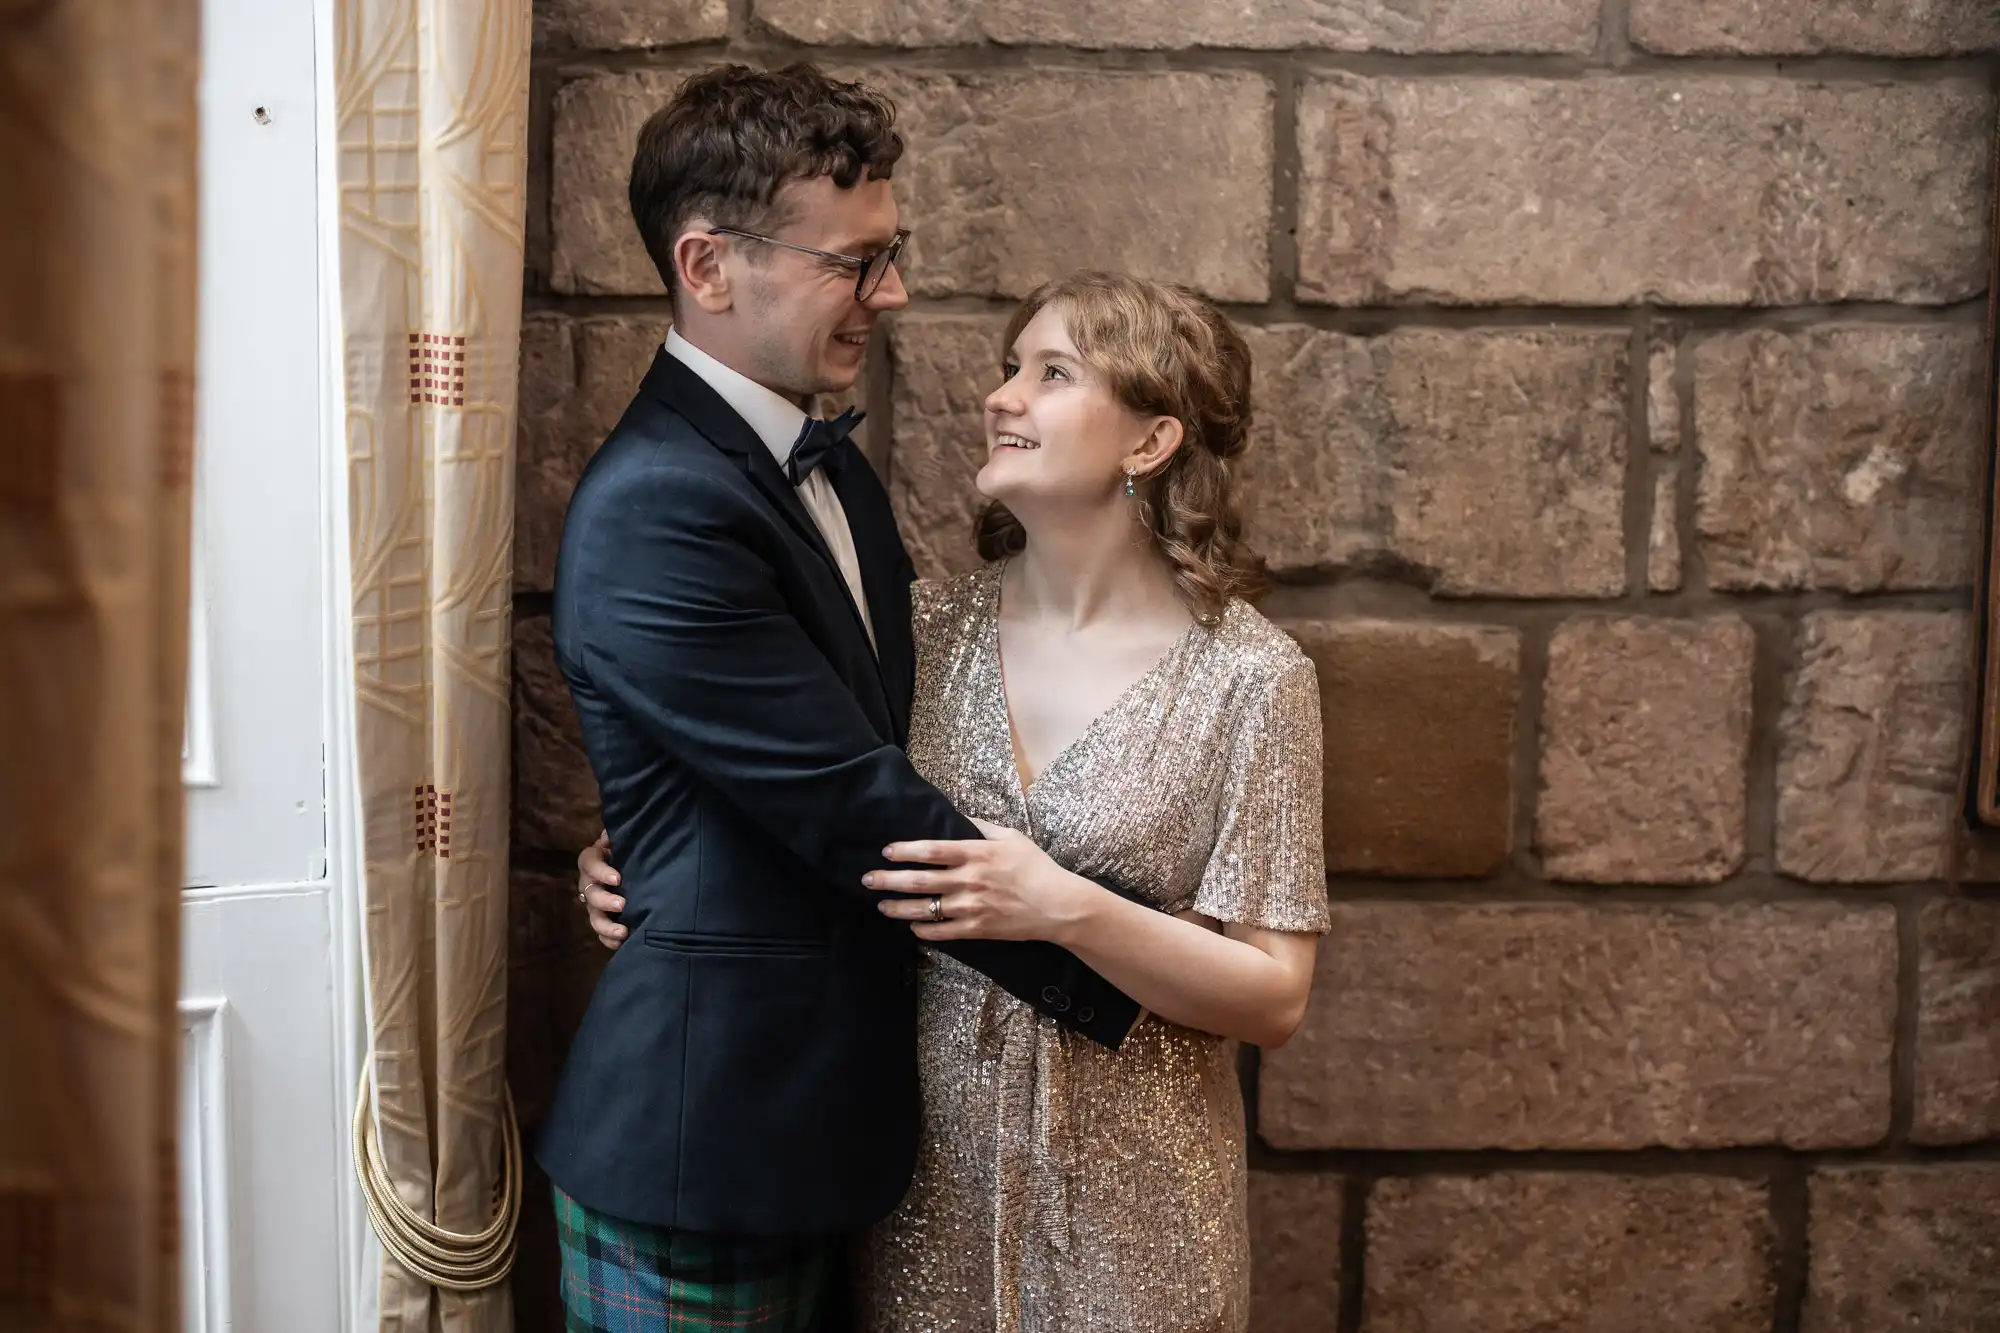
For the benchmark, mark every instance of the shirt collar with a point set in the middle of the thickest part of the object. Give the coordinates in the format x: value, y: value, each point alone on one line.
x: 776, y: 419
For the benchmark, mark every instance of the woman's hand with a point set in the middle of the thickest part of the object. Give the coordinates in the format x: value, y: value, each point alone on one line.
x: 1003, y: 887
x: 594, y: 881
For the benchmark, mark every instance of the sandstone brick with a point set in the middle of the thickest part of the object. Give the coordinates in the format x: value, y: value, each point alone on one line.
x: 1295, y: 1251
x: 1682, y: 190
x: 553, y: 962
x: 536, y: 242
x: 577, y: 378
x: 1813, y: 27
x: 555, y: 796
x: 1568, y: 1252
x: 1663, y: 542
x: 1845, y: 458
x: 1976, y: 854
x: 1315, y: 478
x: 596, y: 247
x: 1568, y: 26
x: 1163, y: 174
x: 608, y: 25
x: 1911, y: 1247
x: 1645, y: 737
x: 1869, y: 746
x: 544, y: 919
x: 1439, y: 1025
x: 543, y: 474
x: 1508, y: 474
x: 1958, y: 1022
x: 1491, y: 460
x: 1419, y: 718
x: 944, y: 366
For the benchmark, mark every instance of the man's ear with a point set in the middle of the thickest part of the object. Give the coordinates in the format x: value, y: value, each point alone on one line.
x: 703, y: 279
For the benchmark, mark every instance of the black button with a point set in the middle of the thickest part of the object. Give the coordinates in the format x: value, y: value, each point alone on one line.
x: 1086, y: 1014
x: 910, y: 975
x: 1055, y: 999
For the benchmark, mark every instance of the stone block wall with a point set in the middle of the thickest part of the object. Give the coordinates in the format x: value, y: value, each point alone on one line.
x: 1618, y: 370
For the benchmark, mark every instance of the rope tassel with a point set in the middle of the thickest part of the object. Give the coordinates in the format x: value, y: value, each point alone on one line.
x: 449, y: 1260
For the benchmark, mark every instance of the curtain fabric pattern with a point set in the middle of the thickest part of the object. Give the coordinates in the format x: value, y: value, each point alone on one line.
x: 431, y: 105
x: 98, y: 141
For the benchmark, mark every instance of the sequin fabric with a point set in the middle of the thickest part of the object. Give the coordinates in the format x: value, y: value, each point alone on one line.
x: 1063, y: 1187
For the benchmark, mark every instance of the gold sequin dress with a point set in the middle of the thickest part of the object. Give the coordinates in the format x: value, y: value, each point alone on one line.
x: 1063, y: 1187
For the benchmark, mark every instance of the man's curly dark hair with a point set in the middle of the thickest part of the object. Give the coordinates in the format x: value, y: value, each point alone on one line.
x: 733, y: 135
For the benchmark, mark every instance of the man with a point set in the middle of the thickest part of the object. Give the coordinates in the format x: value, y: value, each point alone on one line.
x: 732, y: 616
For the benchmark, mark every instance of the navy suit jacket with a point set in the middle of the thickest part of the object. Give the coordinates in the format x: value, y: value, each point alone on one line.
x: 748, y: 1061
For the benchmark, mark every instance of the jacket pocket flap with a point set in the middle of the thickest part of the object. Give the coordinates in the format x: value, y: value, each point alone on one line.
x: 775, y: 946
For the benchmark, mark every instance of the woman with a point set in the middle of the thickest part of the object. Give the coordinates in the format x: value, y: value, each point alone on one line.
x: 1103, y: 699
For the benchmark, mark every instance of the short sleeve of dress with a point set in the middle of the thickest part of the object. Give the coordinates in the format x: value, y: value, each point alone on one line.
x: 925, y: 594
x: 930, y: 612
x: 1268, y: 868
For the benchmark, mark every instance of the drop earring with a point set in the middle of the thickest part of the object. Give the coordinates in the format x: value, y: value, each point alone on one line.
x: 1128, y: 482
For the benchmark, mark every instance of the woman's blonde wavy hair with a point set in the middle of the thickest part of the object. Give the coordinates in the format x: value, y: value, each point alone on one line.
x: 1165, y: 351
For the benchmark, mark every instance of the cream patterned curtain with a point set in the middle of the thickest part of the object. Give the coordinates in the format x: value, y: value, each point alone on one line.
x: 97, y: 340
x: 432, y: 108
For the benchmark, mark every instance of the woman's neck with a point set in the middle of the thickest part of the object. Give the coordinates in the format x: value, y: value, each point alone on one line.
x: 1081, y: 572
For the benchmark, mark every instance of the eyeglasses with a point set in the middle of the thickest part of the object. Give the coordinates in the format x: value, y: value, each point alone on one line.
x: 873, y: 267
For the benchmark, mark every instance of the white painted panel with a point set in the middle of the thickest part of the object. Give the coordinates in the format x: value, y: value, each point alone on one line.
x: 198, y: 740
x: 258, y: 509
x: 206, y: 1211
x: 267, y: 952
x: 270, y: 1225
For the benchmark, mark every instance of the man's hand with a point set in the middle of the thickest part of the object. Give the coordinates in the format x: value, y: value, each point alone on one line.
x: 595, y: 880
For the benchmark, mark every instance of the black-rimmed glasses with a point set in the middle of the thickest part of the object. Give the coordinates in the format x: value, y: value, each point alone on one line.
x: 873, y: 267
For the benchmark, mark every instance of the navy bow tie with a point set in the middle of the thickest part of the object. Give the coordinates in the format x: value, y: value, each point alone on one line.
x: 818, y: 442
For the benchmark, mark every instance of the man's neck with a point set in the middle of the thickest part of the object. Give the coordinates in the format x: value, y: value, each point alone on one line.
x: 704, y: 336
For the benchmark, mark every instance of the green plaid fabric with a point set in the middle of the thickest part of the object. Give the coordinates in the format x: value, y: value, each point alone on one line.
x: 628, y: 1277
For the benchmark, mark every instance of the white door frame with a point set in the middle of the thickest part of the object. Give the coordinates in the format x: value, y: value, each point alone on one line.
x: 285, y: 890
x: 360, y: 1251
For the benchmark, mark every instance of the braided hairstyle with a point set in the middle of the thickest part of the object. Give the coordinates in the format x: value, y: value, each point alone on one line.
x: 1165, y: 350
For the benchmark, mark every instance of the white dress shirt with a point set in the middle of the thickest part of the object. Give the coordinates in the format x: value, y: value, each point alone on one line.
x: 778, y: 421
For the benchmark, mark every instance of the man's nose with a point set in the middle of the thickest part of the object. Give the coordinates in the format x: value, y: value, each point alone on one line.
x: 891, y: 295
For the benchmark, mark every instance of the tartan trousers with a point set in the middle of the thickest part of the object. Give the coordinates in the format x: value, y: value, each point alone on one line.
x: 629, y: 1277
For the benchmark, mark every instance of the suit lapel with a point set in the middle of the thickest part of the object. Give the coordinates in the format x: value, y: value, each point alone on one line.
x: 880, y: 551
x: 689, y: 394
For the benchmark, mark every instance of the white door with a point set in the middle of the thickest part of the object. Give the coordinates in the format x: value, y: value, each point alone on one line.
x: 263, y: 1171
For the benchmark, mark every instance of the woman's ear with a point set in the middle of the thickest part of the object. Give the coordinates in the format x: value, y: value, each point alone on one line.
x: 1162, y: 442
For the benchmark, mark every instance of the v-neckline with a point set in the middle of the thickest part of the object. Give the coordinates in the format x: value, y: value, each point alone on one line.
x: 1024, y: 786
